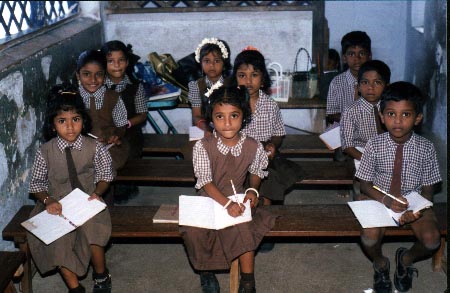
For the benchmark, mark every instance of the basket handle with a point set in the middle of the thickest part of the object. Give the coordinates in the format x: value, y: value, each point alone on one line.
x: 307, y: 55
x: 277, y: 72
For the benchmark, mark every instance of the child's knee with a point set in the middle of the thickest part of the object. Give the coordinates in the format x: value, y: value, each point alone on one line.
x: 370, y: 238
x: 431, y: 240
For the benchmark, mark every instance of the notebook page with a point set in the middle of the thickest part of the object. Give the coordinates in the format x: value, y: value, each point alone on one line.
x: 196, y: 211
x: 223, y: 219
x: 371, y: 213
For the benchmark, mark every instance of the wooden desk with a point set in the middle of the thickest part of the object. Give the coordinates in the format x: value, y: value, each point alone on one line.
x: 293, y: 103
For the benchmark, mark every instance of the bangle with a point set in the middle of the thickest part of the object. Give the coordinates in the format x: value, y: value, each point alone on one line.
x: 129, y: 124
x: 254, y: 190
x: 45, y: 199
x: 198, y: 122
x: 227, y: 204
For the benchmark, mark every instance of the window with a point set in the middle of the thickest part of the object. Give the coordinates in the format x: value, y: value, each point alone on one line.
x: 22, y: 17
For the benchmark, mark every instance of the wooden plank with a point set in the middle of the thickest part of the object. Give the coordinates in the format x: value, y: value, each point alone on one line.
x: 9, y: 263
x: 181, y: 171
x: 293, y: 145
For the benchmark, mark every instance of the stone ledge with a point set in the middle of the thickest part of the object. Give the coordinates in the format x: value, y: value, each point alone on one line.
x: 49, y: 37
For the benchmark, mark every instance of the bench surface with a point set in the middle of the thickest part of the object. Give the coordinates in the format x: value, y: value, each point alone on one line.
x: 293, y: 145
x: 336, y: 220
x: 9, y: 263
x: 181, y: 171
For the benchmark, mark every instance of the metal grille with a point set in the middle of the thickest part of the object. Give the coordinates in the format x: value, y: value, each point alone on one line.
x: 22, y: 17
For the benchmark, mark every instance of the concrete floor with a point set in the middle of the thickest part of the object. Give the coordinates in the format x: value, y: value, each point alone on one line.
x: 290, y: 267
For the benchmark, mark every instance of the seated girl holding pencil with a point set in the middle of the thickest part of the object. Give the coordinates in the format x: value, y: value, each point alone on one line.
x: 228, y: 155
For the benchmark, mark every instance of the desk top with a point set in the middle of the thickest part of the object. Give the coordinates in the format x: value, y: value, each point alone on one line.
x: 292, y: 103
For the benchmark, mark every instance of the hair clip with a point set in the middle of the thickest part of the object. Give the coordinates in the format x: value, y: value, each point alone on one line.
x: 213, y: 88
x: 250, y: 48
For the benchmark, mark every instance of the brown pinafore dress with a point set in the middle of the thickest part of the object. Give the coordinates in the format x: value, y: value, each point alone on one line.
x: 71, y: 251
x: 215, y: 249
x: 103, y: 126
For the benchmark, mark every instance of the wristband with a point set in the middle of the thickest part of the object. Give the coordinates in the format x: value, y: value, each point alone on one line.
x: 45, y: 199
x: 252, y: 189
x: 129, y: 124
x: 227, y: 204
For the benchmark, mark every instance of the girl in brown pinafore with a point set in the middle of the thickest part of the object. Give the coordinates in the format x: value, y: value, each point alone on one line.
x: 66, y: 124
x: 228, y: 154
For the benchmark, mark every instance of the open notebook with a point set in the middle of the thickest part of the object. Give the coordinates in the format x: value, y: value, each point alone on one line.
x: 205, y: 212
x: 371, y: 213
x: 76, y: 210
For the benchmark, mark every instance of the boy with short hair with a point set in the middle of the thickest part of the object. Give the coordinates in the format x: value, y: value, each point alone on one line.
x: 361, y: 121
x: 356, y: 50
x: 400, y: 161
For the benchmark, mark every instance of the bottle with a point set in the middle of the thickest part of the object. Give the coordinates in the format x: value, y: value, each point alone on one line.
x: 312, y: 82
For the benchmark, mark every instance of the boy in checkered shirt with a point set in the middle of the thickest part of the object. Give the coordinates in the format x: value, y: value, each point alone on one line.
x: 360, y: 121
x: 401, y: 107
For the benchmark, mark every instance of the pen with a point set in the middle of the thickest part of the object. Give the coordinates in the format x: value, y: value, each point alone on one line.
x: 390, y: 195
x: 93, y: 136
x: 235, y: 195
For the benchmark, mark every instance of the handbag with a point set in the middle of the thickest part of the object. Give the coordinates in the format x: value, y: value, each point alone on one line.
x: 280, y: 82
x: 304, y: 83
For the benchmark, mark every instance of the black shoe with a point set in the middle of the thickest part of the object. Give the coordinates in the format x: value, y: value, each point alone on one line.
x: 103, y: 284
x: 246, y: 287
x: 381, y: 281
x: 79, y: 289
x: 209, y: 283
x: 266, y: 247
x: 403, y: 274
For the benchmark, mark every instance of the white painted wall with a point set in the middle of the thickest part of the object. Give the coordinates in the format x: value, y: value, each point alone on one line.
x: 277, y: 34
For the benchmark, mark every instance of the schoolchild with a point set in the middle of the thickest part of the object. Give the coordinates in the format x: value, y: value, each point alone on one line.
x: 214, y: 57
x: 120, y: 61
x: 343, y: 90
x: 400, y: 161
x: 331, y: 69
x: 228, y: 154
x: 361, y: 120
x: 266, y: 124
x: 106, y: 108
x: 66, y: 124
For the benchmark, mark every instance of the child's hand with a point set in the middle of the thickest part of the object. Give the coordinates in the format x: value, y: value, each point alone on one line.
x: 395, y: 205
x: 409, y: 217
x: 94, y: 196
x: 235, y: 209
x: 253, y: 199
x: 115, y: 140
x: 53, y: 207
x: 271, y: 150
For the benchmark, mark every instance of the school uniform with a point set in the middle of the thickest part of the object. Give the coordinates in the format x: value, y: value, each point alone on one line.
x: 133, y: 96
x: 358, y: 125
x: 108, y: 115
x: 215, y: 162
x: 50, y: 173
x: 266, y: 121
x: 419, y: 168
x: 341, y: 92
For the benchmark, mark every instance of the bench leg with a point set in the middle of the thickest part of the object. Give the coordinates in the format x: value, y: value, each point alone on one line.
x: 438, y: 255
x: 26, y: 281
x: 234, y: 276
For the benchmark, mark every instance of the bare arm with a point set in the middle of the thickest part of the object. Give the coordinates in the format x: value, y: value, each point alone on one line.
x: 234, y: 209
x: 353, y: 152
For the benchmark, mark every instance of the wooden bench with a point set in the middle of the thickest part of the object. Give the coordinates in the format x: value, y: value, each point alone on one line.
x: 316, y: 173
x: 10, y: 262
x: 294, y: 222
x: 292, y: 146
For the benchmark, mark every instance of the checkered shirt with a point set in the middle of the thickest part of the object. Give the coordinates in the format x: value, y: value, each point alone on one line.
x: 140, y: 101
x: 194, y: 92
x: 341, y: 92
x: 119, y: 112
x: 202, y: 169
x: 266, y: 121
x: 358, y: 124
x: 420, y: 166
x: 102, y: 165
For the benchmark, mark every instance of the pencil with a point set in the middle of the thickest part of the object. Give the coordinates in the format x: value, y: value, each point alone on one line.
x: 235, y: 195
x: 91, y: 135
x: 390, y: 195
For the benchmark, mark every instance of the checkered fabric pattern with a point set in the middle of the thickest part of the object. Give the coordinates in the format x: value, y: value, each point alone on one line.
x: 341, y: 92
x: 194, y: 92
x: 140, y: 101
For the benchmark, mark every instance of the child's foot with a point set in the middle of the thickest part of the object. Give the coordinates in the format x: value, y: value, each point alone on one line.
x: 381, y: 281
x: 246, y: 287
x: 403, y: 274
x: 266, y: 247
x: 209, y: 283
x: 102, y: 282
